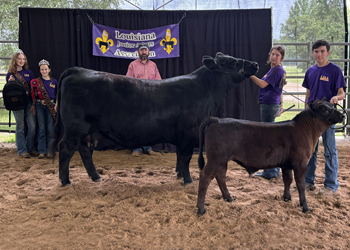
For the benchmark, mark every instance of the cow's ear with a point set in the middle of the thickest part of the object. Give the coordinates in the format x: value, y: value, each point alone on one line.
x: 209, y: 62
x: 219, y: 54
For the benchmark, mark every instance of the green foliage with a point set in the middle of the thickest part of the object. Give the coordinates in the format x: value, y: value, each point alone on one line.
x: 7, y: 137
x: 9, y: 18
x: 310, y: 20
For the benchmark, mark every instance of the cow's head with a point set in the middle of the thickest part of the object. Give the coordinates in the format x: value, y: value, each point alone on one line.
x: 236, y: 67
x: 326, y: 111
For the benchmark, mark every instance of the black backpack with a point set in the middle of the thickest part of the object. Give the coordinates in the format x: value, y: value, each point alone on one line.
x: 15, y: 96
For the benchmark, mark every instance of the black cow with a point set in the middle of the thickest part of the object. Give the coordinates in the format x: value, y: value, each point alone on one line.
x: 255, y: 146
x: 98, y: 108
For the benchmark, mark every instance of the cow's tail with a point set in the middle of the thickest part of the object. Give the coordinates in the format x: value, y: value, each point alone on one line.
x: 206, y: 121
x: 56, y: 130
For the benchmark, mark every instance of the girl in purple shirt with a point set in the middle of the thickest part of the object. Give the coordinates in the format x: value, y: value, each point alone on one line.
x: 25, y: 144
x: 43, y: 114
x: 270, y: 95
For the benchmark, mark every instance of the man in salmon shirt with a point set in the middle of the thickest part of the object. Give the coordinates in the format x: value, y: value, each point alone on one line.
x: 143, y: 68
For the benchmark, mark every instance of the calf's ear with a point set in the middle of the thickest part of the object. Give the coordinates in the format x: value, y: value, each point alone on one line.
x: 311, y: 105
x: 209, y: 62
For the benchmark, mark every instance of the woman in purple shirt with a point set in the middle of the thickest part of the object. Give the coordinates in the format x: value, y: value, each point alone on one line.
x: 43, y: 114
x: 25, y: 144
x: 270, y: 96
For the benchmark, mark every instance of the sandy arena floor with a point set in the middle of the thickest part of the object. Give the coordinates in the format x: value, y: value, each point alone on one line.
x: 141, y: 205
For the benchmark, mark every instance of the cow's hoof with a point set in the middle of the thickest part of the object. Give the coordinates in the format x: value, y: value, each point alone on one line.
x: 186, y: 182
x: 287, y: 199
x: 98, y: 180
x: 229, y: 199
x: 179, y: 175
x: 64, y: 184
x: 201, y: 211
x: 306, y: 210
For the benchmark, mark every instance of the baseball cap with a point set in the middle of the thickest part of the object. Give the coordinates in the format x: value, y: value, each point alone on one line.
x: 143, y: 46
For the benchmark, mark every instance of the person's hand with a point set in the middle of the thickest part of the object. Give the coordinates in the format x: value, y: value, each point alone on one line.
x: 281, y: 110
x: 32, y: 109
x: 334, y: 100
x: 11, y: 78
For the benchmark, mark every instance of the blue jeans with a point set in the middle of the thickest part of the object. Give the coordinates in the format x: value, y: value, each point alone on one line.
x: 145, y: 149
x: 45, y: 122
x: 23, y: 143
x: 331, y: 165
x: 268, y: 113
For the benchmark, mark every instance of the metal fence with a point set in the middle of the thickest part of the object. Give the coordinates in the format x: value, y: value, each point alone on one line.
x: 308, y: 60
x: 2, y: 76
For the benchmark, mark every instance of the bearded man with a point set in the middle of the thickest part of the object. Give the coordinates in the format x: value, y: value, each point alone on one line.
x: 143, y: 68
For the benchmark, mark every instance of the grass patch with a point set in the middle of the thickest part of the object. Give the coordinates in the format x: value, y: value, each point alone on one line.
x: 8, y: 137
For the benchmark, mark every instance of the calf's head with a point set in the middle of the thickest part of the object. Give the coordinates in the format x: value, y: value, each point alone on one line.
x: 326, y: 111
x: 237, y: 68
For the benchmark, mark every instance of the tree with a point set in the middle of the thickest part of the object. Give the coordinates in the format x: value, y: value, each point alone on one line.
x: 9, y: 18
x: 310, y: 20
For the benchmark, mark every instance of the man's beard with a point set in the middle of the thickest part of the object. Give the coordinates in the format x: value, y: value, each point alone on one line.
x: 143, y: 57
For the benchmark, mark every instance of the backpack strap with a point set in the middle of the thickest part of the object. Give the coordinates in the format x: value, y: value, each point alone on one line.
x: 9, y: 118
x: 23, y: 81
x: 48, y: 103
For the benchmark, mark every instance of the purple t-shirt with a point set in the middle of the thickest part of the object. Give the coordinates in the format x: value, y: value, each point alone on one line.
x: 271, y: 94
x: 51, y: 88
x: 323, y: 81
x: 27, y: 74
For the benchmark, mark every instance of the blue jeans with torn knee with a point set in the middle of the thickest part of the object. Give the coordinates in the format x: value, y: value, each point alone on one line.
x: 331, y: 165
x: 268, y: 113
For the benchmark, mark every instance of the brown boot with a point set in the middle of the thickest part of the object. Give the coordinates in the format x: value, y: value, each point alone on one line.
x: 41, y: 156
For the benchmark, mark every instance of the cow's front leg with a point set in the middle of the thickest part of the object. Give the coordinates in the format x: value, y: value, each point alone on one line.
x: 287, y: 180
x: 66, y: 151
x: 221, y: 179
x: 299, y: 176
x: 86, y: 156
x: 182, y: 164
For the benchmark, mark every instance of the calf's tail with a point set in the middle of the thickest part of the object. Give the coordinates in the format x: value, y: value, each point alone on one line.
x: 206, y: 121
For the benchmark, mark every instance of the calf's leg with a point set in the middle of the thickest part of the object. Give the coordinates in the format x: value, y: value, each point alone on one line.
x: 287, y: 180
x: 86, y: 156
x: 299, y: 176
x: 206, y: 175
x: 221, y: 179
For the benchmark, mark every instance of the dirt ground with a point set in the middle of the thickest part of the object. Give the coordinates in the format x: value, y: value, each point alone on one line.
x: 141, y: 205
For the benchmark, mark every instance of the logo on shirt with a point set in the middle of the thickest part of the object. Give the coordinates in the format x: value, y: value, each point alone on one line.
x: 104, y: 43
x: 26, y: 75
x: 168, y: 42
x: 324, y: 78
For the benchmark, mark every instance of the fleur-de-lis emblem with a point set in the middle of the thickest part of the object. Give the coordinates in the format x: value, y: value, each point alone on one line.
x: 103, y: 43
x: 168, y: 43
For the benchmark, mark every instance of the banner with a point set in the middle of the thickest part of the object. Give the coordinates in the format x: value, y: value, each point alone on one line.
x: 163, y: 42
